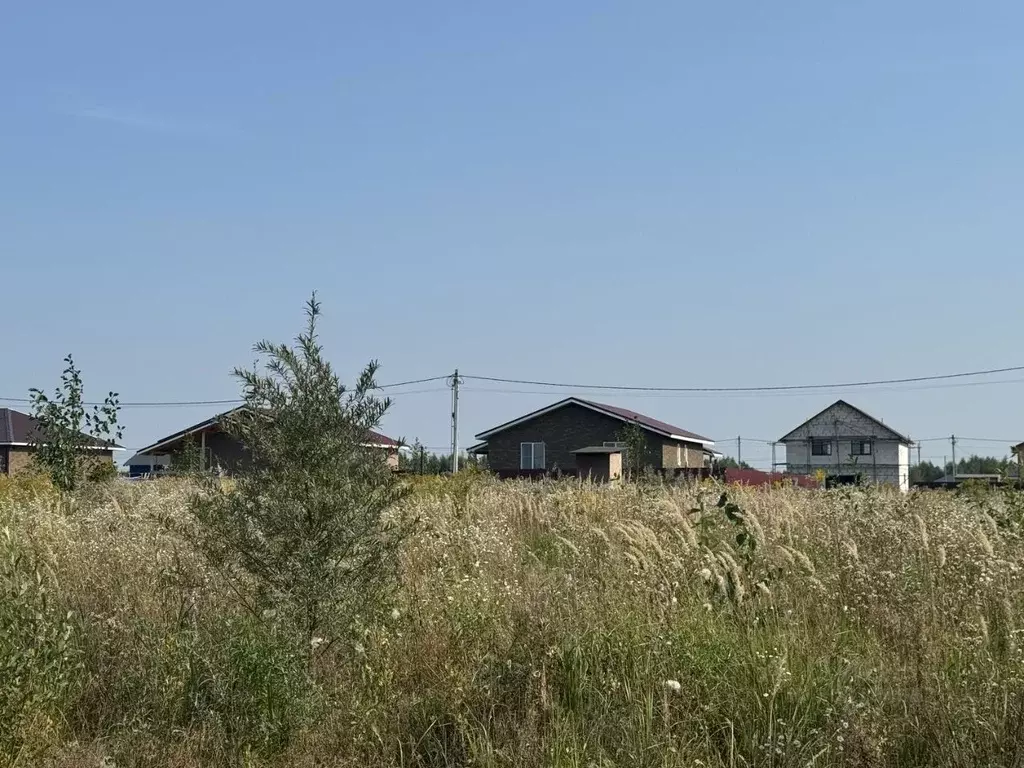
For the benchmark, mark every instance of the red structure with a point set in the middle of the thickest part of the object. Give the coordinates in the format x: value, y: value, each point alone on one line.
x: 757, y: 478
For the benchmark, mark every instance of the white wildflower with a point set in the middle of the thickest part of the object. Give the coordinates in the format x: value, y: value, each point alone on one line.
x: 672, y: 685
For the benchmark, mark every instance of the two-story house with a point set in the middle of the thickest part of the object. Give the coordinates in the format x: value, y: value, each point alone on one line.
x: 848, y: 444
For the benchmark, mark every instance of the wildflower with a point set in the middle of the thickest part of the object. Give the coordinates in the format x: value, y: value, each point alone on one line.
x: 672, y: 685
x: 395, y: 613
x: 316, y: 642
x: 705, y: 573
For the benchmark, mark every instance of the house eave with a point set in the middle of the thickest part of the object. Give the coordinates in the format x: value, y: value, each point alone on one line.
x: 84, y: 447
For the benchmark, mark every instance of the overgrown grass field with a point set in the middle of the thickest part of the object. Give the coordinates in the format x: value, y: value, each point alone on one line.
x: 556, y: 624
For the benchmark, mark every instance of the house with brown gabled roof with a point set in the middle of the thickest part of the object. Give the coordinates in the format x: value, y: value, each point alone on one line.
x: 566, y: 435
x: 20, y: 434
x: 222, y: 452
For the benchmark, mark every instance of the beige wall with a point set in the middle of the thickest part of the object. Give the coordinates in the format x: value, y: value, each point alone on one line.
x: 675, y: 455
x: 19, y: 458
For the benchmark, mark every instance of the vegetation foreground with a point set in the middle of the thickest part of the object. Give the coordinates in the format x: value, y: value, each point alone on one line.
x: 556, y: 624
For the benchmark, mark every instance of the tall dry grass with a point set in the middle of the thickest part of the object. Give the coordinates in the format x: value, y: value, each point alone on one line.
x: 537, y: 625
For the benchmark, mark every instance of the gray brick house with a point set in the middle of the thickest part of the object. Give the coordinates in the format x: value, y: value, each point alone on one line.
x: 550, y: 438
x: 846, y: 443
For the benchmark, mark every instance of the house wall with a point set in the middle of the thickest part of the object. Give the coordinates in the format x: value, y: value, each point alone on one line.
x: 19, y: 458
x: 675, y: 454
x: 227, y: 454
x: 562, y: 431
x: 889, y: 463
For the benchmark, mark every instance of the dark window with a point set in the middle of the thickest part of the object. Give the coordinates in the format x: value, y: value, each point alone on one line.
x: 821, y: 447
x: 531, y: 456
x: 860, y: 448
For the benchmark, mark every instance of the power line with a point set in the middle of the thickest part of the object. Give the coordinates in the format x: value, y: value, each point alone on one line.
x: 165, y: 404
x: 777, y: 388
x: 758, y: 394
x: 234, y: 401
x: 412, y: 381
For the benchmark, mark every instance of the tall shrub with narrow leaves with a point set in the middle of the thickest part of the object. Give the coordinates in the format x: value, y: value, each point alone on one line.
x: 306, y: 528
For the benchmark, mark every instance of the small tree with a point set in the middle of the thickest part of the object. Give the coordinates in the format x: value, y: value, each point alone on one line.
x: 306, y: 529
x: 635, y: 440
x: 66, y: 430
x: 189, y: 461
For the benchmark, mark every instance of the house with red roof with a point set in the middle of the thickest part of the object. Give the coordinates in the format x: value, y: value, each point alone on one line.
x: 569, y: 435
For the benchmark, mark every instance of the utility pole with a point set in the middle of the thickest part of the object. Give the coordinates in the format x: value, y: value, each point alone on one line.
x: 739, y: 450
x: 453, y: 382
x: 918, y: 451
x: 952, y: 443
x: 773, y: 456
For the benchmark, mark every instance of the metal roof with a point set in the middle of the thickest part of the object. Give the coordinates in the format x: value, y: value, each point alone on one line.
x: 622, y: 414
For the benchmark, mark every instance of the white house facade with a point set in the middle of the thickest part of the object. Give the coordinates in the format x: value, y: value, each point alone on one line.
x: 847, y: 443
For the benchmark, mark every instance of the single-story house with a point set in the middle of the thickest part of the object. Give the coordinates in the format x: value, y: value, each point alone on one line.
x: 576, y: 435
x: 151, y: 464
x: 19, y: 434
x: 222, y: 452
x: 848, y: 445
x: 1018, y: 451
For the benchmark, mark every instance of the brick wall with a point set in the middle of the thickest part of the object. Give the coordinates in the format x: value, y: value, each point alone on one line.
x: 675, y: 455
x: 567, y: 429
x: 19, y: 458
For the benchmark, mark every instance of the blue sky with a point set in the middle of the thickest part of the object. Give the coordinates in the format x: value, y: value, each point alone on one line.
x: 659, y: 193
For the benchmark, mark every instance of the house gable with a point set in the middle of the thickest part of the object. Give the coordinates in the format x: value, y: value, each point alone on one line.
x: 623, y: 415
x: 843, y: 421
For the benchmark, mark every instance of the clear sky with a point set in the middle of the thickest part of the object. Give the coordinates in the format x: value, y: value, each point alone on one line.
x: 659, y: 193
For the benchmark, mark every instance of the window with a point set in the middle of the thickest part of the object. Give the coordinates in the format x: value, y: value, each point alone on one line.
x: 613, y: 444
x: 531, y: 455
x: 821, y: 447
x: 860, y: 448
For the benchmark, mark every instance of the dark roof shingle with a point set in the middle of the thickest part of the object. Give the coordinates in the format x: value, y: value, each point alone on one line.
x: 17, y: 427
x: 622, y: 414
x: 646, y: 421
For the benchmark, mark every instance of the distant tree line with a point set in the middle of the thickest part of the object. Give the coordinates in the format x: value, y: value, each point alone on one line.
x: 926, y: 471
x: 419, y: 461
